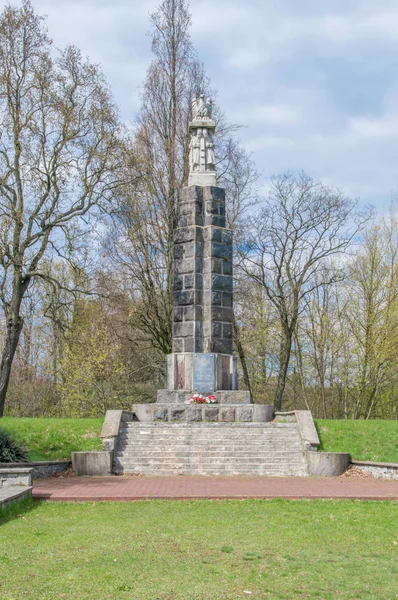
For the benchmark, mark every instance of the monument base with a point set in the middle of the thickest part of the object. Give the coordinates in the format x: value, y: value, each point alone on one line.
x: 223, y: 397
x: 203, y: 372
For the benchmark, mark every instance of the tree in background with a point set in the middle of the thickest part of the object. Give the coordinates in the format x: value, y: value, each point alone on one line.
x: 57, y: 158
x: 286, y: 247
x: 140, y: 242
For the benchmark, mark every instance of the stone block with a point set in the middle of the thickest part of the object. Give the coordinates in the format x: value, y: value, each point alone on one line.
x: 263, y: 413
x: 226, y: 236
x: 189, y: 344
x: 178, y: 252
x: 227, y: 299
x: 224, y: 314
x: 216, y: 220
x: 234, y: 397
x: 227, y: 268
x: 143, y: 412
x: 111, y: 424
x: 227, y: 414
x: 192, y: 313
x: 222, y: 283
x: 221, y: 346
x: 184, y: 265
x: 178, y: 313
x: 216, y: 265
x: 92, y: 463
x: 184, y: 234
x: 227, y: 330
x: 173, y: 396
x: 216, y: 330
x: 186, y: 297
x: 178, y: 345
x: 189, y: 281
x: 194, y: 414
x: 184, y: 329
x: 108, y: 444
x: 177, y: 414
x: 160, y: 414
x: 216, y: 298
x: 223, y: 251
x: 211, y: 414
x: 244, y: 414
x: 178, y: 282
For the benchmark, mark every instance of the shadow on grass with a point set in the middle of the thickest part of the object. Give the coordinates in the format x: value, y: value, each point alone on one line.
x: 17, y: 510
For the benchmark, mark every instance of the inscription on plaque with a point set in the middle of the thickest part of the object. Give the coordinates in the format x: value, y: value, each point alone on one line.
x: 203, y: 372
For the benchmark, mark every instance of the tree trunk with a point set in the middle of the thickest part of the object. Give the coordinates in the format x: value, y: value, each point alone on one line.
x: 14, y: 328
x: 284, y: 359
x: 242, y: 356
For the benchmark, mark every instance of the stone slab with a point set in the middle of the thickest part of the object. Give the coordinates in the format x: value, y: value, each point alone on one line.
x: 10, y: 477
x: 41, y: 468
x: 11, y: 494
x: 92, y: 463
x: 307, y: 428
x: 223, y: 396
x: 379, y: 470
x: 111, y: 424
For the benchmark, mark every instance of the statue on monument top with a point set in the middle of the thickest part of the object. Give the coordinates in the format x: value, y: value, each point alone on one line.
x: 201, y: 109
x: 202, y: 168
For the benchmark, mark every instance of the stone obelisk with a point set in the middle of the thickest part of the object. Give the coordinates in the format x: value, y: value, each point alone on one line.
x: 202, y: 359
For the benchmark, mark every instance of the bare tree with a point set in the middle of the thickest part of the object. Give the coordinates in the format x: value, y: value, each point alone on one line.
x: 57, y: 158
x: 141, y: 240
x: 302, y: 224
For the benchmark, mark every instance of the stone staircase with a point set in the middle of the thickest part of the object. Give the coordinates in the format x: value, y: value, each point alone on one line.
x: 263, y: 449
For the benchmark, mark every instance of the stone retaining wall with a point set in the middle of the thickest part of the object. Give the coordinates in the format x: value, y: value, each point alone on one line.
x: 379, y: 470
x: 47, y: 468
x: 191, y: 413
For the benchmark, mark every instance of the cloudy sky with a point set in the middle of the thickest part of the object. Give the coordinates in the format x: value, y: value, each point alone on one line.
x: 313, y: 82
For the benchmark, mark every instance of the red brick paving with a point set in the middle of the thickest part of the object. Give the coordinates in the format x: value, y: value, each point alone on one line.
x: 129, y: 488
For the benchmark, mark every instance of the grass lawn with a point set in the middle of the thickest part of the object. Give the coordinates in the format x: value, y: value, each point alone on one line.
x: 364, y: 440
x: 202, y: 550
x: 54, y: 439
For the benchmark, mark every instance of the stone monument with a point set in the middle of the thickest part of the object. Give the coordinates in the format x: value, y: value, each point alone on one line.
x: 202, y: 359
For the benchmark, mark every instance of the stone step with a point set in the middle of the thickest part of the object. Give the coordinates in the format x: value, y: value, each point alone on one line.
x: 207, y: 425
x: 189, y: 470
x: 225, y: 441
x: 210, y: 435
x: 183, y: 450
x: 209, y: 456
x: 257, y: 449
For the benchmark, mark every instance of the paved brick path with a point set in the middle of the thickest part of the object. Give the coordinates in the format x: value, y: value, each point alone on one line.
x: 180, y: 487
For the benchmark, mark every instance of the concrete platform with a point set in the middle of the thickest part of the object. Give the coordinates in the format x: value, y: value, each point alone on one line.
x: 11, y: 494
x: 130, y: 488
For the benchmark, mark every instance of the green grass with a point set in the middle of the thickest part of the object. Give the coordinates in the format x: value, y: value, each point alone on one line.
x: 54, y: 439
x: 202, y: 550
x: 364, y: 440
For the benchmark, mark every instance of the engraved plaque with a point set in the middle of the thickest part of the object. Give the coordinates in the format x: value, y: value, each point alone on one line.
x: 204, y: 372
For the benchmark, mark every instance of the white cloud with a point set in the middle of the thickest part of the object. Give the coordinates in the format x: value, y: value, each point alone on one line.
x: 313, y: 81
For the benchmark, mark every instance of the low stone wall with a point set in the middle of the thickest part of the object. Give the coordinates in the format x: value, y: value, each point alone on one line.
x: 92, y: 463
x: 327, y: 464
x: 223, y: 396
x: 191, y: 413
x: 379, y: 470
x: 18, y: 476
x: 47, y: 468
